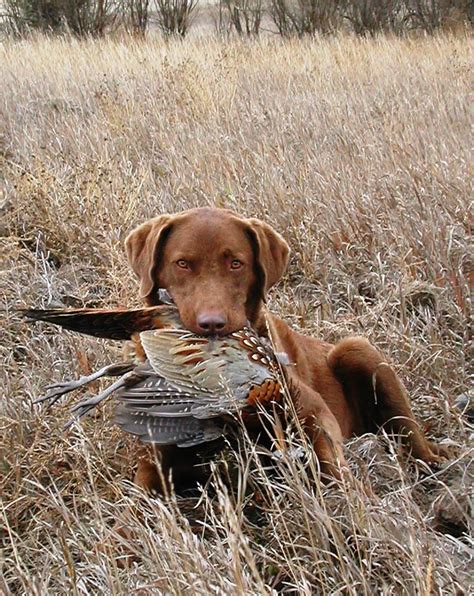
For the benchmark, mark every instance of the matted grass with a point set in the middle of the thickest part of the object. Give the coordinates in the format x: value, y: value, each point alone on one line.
x: 358, y: 152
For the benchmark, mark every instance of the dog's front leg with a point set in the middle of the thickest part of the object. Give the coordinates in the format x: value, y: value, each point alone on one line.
x: 321, y: 427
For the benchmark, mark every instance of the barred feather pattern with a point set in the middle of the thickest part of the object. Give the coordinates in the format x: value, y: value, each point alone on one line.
x: 190, y: 385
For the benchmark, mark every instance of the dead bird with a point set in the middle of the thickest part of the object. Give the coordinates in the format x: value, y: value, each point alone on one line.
x: 180, y: 388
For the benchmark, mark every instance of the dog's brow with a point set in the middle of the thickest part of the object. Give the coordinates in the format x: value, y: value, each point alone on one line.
x: 236, y: 253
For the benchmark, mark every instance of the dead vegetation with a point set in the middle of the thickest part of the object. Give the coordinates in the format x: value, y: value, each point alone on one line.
x: 358, y: 152
x: 96, y: 18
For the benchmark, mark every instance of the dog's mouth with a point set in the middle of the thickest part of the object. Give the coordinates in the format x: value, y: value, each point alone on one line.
x: 164, y: 297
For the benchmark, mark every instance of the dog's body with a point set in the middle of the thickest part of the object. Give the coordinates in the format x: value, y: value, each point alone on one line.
x: 218, y: 267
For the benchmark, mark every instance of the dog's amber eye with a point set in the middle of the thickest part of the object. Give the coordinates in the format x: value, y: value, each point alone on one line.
x: 236, y: 264
x: 182, y: 264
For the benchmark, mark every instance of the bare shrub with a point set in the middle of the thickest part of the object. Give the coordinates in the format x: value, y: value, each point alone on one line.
x: 22, y: 16
x: 242, y: 16
x: 90, y: 17
x: 431, y: 15
x: 81, y: 17
x: 174, y: 17
x: 369, y: 17
x: 303, y: 17
x: 136, y: 16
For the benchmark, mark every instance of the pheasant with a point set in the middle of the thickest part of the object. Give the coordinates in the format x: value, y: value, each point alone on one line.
x: 180, y: 389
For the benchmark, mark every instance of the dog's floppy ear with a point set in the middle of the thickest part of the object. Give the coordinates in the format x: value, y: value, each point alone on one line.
x: 143, y: 246
x: 271, y: 253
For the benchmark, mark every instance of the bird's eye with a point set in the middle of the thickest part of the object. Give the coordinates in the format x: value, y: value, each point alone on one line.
x: 182, y: 264
x: 236, y: 264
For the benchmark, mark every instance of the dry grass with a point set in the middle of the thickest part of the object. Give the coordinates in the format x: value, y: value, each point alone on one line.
x: 358, y: 152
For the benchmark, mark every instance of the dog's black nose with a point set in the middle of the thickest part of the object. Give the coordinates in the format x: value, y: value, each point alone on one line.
x: 211, y: 323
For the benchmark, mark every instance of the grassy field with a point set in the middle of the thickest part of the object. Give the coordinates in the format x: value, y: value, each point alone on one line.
x: 358, y: 152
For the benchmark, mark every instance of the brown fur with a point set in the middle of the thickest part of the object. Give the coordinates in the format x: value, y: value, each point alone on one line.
x: 194, y: 256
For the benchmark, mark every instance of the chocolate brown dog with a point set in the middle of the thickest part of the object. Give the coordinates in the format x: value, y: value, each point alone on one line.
x: 218, y: 267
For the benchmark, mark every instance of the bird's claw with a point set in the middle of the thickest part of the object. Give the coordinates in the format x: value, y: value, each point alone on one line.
x: 88, y: 403
x: 56, y: 390
x: 66, y: 386
x: 58, y: 385
x: 54, y: 397
x: 83, y: 407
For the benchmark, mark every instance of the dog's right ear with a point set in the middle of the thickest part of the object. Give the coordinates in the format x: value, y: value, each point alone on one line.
x: 144, y: 247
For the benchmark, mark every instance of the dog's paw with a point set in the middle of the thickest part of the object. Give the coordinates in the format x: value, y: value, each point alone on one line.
x: 441, y: 453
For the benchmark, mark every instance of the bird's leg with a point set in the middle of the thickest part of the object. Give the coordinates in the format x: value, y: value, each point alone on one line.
x: 57, y: 390
x: 84, y: 406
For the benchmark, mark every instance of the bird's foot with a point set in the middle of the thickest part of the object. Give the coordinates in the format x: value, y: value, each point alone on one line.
x: 86, y: 405
x: 57, y: 390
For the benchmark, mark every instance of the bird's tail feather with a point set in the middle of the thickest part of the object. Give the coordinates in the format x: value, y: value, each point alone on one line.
x: 118, y: 323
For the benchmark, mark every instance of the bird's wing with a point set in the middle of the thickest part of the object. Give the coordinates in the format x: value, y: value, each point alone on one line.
x: 183, y: 432
x: 151, y: 393
x: 184, y: 360
x: 159, y: 412
x: 228, y: 370
x: 147, y: 391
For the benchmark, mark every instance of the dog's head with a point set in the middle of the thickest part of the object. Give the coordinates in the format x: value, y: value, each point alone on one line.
x: 216, y: 265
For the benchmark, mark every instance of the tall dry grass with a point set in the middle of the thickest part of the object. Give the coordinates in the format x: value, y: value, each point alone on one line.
x: 358, y: 152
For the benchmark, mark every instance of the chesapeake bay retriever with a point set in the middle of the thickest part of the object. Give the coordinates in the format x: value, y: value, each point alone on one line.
x: 218, y: 267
